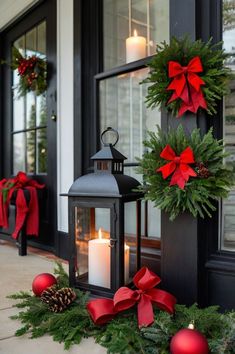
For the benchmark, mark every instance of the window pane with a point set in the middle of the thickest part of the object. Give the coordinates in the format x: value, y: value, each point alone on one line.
x: 41, y: 151
x: 18, y: 152
x: 18, y: 102
x: 31, y: 42
x: 228, y: 206
x: 30, y: 151
x: 41, y: 110
x: 122, y: 107
x: 30, y: 110
x: 132, y: 29
x: 42, y: 40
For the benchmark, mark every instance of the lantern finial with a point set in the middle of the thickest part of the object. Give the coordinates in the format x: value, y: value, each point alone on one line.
x: 113, y: 132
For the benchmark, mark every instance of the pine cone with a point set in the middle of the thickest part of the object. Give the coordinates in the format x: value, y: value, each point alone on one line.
x: 202, y: 170
x: 61, y: 299
x: 48, y: 293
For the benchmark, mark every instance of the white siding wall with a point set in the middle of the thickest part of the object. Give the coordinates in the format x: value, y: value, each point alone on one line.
x: 9, y: 11
x: 65, y: 106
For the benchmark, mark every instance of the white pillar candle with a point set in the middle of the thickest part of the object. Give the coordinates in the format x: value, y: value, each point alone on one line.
x: 127, y: 263
x: 135, y: 47
x: 99, y: 261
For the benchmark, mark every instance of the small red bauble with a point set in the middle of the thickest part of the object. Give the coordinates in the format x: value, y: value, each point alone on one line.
x: 189, y: 341
x: 41, y: 282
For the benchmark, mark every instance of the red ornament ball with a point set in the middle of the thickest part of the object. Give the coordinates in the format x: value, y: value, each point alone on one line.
x: 41, y: 282
x: 189, y: 341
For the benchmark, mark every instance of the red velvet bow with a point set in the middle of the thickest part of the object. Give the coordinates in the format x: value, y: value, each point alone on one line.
x: 178, y: 165
x: 103, y: 310
x: 186, y: 85
x: 24, y: 212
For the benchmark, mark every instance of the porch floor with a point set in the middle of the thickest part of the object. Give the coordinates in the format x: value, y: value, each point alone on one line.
x: 17, y: 273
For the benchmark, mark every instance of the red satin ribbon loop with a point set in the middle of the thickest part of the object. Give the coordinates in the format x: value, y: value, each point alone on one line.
x: 24, y: 213
x: 186, y: 85
x: 178, y: 166
x: 102, y: 310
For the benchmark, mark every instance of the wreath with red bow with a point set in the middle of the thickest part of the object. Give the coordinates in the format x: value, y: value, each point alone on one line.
x: 185, y: 173
x: 187, y: 76
x: 32, y: 73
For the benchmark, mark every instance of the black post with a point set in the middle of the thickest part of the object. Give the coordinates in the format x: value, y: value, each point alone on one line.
x: 22, y: 242
x: 181, y: 257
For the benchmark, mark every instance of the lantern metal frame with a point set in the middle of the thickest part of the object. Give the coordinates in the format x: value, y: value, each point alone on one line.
x: 106, y: 188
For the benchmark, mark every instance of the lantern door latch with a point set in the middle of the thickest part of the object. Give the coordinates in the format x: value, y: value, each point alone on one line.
x: 112, y: 242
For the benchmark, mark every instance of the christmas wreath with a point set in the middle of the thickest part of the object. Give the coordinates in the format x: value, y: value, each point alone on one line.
x: 185, y: 173
x: 186, y: 76
x: 32, y: 72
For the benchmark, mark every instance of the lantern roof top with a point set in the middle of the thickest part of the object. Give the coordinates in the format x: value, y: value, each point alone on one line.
x: 108, y: 152
x: 104, y: 185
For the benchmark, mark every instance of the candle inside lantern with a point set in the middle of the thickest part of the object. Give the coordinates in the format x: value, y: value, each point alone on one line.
x: 99, y: 261
x: 127, y: 263
x: 135, y: 47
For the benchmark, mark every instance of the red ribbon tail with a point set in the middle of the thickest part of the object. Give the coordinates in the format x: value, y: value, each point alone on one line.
x: 3, y: 212
x: 21, y: 212
x: 145, y: 311
x: 101, y: 310
x: 32, y: 223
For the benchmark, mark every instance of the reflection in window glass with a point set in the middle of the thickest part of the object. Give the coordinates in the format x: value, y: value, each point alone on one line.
x: 228, y: 206
x: 132, y: 29
x: 41, y: 151
x: 122, y: 107
x: 30, y: 151
x: 18, y: 152
x: 29, y: 111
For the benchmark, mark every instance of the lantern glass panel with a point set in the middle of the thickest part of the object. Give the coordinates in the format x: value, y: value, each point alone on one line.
x: 130, y: 242
x: 92, y: 237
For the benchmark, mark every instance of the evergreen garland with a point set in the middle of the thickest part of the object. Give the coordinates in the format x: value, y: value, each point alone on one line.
x: 32, y: 72
x: 121, y: 335
x: 215, y: 74
x: 214, y: 179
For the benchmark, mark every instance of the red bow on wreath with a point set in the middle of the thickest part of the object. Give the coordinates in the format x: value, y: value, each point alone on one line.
x: 187, y: 85
x: 103, y: 310
x: 178, y: 165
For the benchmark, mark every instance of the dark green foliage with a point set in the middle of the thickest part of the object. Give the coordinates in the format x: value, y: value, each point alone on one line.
x: 199, y: 193
x: 121, y: 335
x: 215, y: 74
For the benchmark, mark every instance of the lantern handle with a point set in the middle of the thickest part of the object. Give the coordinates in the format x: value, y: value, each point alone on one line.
x: 109, y: 129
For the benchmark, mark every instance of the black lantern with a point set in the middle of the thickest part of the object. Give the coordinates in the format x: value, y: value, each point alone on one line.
x: 104, y: 224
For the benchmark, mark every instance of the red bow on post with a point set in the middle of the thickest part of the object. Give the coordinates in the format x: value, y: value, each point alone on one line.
x: 178, y: 165
x: 103, y: 310
x: 187, y: 85
x: 25, y: 212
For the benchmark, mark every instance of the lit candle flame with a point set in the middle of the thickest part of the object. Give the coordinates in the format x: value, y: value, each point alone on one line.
x: 135, y: 33
x: 100, y: 233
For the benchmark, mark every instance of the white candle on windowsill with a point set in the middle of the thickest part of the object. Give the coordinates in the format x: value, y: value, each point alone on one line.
x: 99, y: 261
x: 135, y: 47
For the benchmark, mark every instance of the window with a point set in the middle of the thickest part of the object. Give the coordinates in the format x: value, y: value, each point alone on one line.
x: 131, y: 30
x: 228, y: 205
x: 29, y: 112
